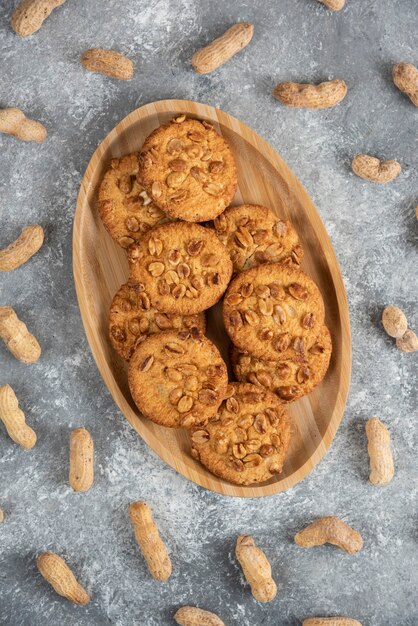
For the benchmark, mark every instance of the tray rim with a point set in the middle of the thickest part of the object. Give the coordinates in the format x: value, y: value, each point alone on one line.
x: 187, y: 106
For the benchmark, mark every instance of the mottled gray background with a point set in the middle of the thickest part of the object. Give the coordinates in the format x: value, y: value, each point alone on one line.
x: 374, y: 231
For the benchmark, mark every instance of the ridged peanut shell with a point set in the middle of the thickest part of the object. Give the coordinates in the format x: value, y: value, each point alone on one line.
x: 108, y: 62
x: 29, y: 15
x: 374, y: 170
x: 191, y: 616
x: 13, y: 419
x: 55, y: 571
x: 223, y: 48
x: 405, y: 77
x: 21, y: 343
x: 22, y: 249
x: 309, y: 96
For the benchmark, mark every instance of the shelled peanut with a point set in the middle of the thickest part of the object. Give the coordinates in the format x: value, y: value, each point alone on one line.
x: 256, y: 569
x: 374, y: 170
x: 334, y: 5
x: 191, y: 616
x: 108, y: 62
x: 21, y: 343
x: 81, y: 460
x: 13, y: 419
x: 223, y: 48
x: 309, y: 96
x: 395, y: 324
x: 29, y: 15
x: 330, y: 529
x: 152, y: 546
x: 22, y: 249
x: 14, y: 122
x: 55, y: 571
x: 405, y: 77
x: 330, y: 621
x: 380, y: 452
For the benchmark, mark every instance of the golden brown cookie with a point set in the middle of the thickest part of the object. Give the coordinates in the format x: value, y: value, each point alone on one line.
x: 124, y: 206
x: 188, y: 169
x: 184, y: 267
x: 178, y: 378
x: 290, y: 379
x: 248, y: 439
x: 253, y: 235
x: 273, y: 311
x: 132, y: 319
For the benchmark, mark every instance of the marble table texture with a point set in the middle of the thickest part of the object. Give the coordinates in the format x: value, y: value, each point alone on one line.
x: 374, y: 231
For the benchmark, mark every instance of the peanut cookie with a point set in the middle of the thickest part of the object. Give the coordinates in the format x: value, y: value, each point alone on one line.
x: 290, y: 379
x: 253, y: 235
x: 124, y: 206
x: 248, y: 439
x: 178, y: 378
x: 184, y: 267
x: 188, y: 169
x: 273, y: 311
x: 132, y: 319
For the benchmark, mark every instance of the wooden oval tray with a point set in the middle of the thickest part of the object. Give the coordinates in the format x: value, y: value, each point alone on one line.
x: 100, y: 267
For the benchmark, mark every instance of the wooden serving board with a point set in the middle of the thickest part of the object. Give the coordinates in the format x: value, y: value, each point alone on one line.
x: 100, y: 267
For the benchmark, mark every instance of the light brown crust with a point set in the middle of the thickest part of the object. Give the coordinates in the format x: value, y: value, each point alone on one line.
x: 132, y: 319
x: 178, y: 379
x: 273, y: 311
x: 184, y: 267
x: 291, y: 379
x: 253, y: 234
x: 188, y: 170
x: 248, y: 439
x: 124, y: 206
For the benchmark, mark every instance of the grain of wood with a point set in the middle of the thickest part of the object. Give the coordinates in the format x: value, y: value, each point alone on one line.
x: 29, y: 15
x: 81, y: 460
x: 405, y: 77
x: 316, y: 426
x: 108, y: 62
x: 22, y: 249
x: 55, y: 571
x: 374, y: 170
x: 223, y: 48
x: 380, y: 452
x: 149, y: 541
x: 14, y: 122
x: 14, y: 419
x: 20, y: 342
x: 330, y: 529
x: 309, y: 96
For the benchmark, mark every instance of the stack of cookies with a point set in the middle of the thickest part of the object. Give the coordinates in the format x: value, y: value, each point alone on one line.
x: 150, y: 203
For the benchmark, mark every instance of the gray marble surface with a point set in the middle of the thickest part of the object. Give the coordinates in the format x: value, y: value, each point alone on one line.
x: 374, y: 231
